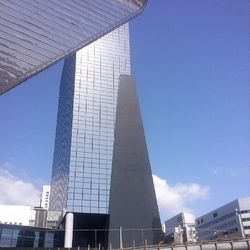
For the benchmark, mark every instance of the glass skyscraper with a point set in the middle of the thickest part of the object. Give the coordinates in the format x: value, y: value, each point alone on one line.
x: 93, y: 163
x: 85, y: 129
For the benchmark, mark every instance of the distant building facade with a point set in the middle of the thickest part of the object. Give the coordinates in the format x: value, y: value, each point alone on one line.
x: 40, y: 217
x: 41, y: 211
x: 44, y: 200
x: 180, y: 229
x: 231, y: 220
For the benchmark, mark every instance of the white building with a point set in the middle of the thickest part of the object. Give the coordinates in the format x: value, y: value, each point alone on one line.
x: 45, y: 196
x: 41, y: 211
x: 231, y: 220
x: 181, y: 229
x: 16, y: 215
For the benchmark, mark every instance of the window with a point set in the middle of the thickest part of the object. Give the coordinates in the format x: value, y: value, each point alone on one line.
x: 179, y: 219
x: 6, y: 237
x: 215, y: 215
x: 244, y: 211
x: 245, y: 219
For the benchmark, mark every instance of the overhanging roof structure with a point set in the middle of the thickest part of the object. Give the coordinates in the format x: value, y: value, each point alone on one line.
x: 35, y: 34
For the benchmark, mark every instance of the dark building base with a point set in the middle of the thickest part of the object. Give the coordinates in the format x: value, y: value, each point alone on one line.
x: 90, y: 230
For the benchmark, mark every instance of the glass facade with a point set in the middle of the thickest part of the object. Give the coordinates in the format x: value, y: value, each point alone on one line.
x: 85, y: 128
x: 35, y: 34
x: 19, y: 236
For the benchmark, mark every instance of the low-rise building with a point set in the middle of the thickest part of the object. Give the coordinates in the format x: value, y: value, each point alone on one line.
x: 16, y: 215
x: 231, y: 220
x: 22, y: 237
x: 180, y: 229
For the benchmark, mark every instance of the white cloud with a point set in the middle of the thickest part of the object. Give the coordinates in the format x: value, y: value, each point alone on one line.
x: 177, y: 198
x: 171, y: 199
x: 14, y: 191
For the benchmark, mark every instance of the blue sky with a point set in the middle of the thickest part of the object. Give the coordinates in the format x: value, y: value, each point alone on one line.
x: 191, y: 63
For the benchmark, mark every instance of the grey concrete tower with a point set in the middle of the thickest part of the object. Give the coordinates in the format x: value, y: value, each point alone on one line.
x: 133, y: 203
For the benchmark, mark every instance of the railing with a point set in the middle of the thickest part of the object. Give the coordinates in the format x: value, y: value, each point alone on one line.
x: 243, y: 244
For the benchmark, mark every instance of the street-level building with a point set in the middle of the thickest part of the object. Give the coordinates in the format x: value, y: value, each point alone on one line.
x: 231, y: 220
x: 19, y: 236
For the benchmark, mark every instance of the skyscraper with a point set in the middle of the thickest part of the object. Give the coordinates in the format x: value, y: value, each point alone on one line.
x: 93, y: 161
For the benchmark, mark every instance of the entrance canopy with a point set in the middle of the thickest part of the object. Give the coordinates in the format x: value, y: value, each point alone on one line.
x: 35, y: 34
